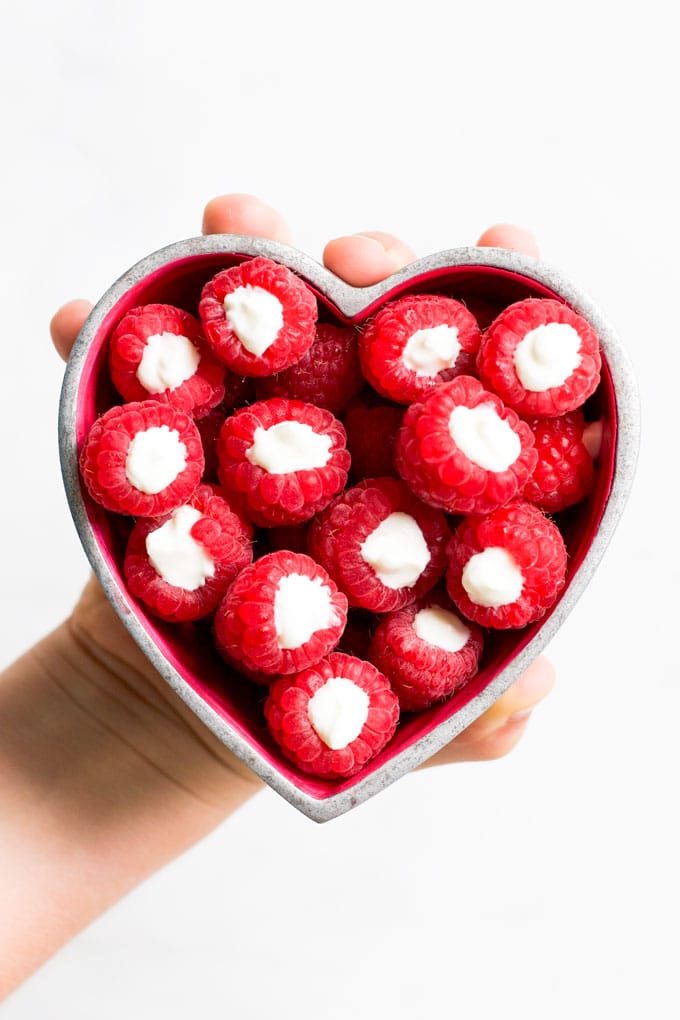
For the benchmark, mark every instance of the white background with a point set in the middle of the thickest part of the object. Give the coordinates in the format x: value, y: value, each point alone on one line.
x: 542, y: 885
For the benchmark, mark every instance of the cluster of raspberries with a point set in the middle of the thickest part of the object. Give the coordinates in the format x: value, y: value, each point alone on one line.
x: 352, y: 506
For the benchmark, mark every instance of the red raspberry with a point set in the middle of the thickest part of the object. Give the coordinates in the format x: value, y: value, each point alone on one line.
x: 152, y: 350
x: 254, y: 341
x: 506, y: 569
x: 555, y: 369
x: 564, y: 473
x: 332, y: 697
x: 260, y: 449
x: 487, y: 463
x: 143, y: 459
x: 425, y: 651
x: 280, y: 615
x: 187, y: 591
x: 371, y: 425
x: 328, y: 375
x: 378, y: 571
x: 402, y: 361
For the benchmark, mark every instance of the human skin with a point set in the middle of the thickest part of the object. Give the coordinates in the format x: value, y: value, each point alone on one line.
x: 105, y: 774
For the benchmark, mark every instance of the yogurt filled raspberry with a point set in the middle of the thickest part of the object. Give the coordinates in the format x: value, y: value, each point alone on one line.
x: 284, y: 460
x: 143, y: 459
x: 280, y: 615
x: 540, y: 357
x: 507, y: 568
x: 258, y: 316
x: 334, y: 717
x: 180, y: 565
x: 382, y: 546
x: 158, y: 351
x: 462, y: 450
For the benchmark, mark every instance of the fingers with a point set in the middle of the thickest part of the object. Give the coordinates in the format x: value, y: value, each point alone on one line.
x: 499, y: 729
x: 67, y: 323
x: 505, y: 235
x: 244, y: 214
x: 366, y: 258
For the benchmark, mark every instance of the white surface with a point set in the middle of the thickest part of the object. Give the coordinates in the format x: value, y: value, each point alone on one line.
x: 155, y: 457
x: 396, y: 550
x: 484, y: 437
x: 543, y: 885
x: 175, y: 555
x: 289, y: 446
x: 168, y: 360
x: 255, y: 315
x: 338, y: 711
x: 441, y: 628
x: 547, y: 356
x: 428, y: 351
x: 302, y: 605
x: 492, y: 578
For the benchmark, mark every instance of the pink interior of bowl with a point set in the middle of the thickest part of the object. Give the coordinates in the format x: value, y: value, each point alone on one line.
x: 188, y: 647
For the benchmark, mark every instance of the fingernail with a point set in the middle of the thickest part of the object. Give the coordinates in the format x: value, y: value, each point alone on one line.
x: 520, y: 716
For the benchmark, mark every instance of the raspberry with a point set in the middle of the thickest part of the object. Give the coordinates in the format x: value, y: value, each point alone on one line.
x: 258, y: 316
x: 506, y: 569
x: 181, y: 565
x: 381, y: 545
x: 159, y: 351
x: 333, y: 718
x: 328, y: 375
x: 462, y: 450
x: 540, y: 357
x: 426, y: 652
x: 564, y: 473
x: 413, y: 344
x: 371, y: 425
x: 280, y: 615
x: 143, y: 459
x: 284, y: 459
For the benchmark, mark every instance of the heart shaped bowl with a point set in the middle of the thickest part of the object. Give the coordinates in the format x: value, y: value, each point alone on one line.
x: 487, y: 279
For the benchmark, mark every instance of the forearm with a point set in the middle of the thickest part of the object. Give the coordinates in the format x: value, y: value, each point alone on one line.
x: 98, y: 789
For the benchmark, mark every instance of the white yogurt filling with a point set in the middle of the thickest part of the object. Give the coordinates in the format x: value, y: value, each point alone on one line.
x: 168, y: 360
x: 302, y: 605
x: 177, y: 557
x: 397, y: 551
x: 492, y: 578
x: 338, y: 712
x: 255, y: 315
x: 441, y: 628
x: 289, y: 446
x: 155, y: 457
x: 547, y: 356
x: 484, y: 437
x: 429, y: 351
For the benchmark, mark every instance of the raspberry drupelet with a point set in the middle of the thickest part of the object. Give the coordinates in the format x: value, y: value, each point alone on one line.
x: 333, y: 718
x: 258, y: 316
x: 159, y: 352
x: 280, y: 615
x: 506, y: 569
x: 462, y: 450
x: 540, y: 357
x: 426, y: 651
x: 416, y: 342
x: 564, y: 473
x: 328, y: 375
x: 143, y: 459
x: 372, y: 424
x: 381, y: 545
x: 283, y: 459
x: 181, y: 565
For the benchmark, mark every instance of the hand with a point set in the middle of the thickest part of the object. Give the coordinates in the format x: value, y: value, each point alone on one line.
x: 361, y: 259
x: 105, y: 775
